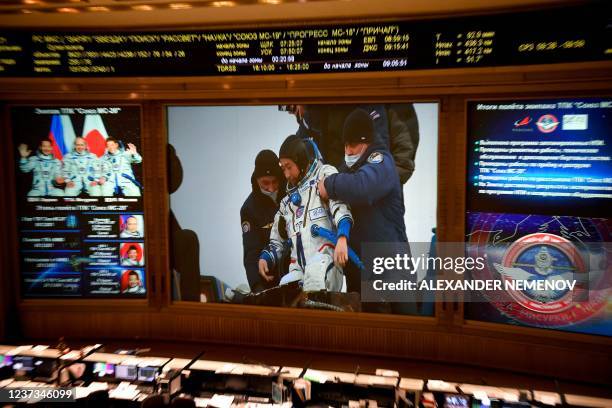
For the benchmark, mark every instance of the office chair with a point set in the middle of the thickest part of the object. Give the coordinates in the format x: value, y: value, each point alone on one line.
x: 98, y: 399
x: 153, y: 401
x: 183, y: 402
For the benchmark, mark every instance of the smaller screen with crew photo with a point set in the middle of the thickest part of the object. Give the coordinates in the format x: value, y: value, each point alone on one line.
x: 79, y: 191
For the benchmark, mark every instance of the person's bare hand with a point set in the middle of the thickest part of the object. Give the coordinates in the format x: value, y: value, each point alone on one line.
x: 264, y: 271
x: 299, y: 111
x: 322, y: 190
x: 131, y: 148
x: 341, y: 252
x: 23, y: 150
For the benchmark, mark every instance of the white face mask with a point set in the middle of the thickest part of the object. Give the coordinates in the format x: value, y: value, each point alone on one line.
x: 272, y: 194
x: 351, y: 159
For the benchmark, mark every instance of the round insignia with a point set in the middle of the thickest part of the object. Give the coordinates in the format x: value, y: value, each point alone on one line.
x: 299, y: 212
x: 547, y: 123
x: 545, y: 257
x: 375, y: 158
x: 246, y: 227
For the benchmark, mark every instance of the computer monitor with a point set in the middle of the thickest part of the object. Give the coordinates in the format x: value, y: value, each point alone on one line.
x: 103, y: 370
x: 125, y: 372
x: 22, y: 363
x: 456, y: 401
x: 44, y: 368
x: 147, y: 374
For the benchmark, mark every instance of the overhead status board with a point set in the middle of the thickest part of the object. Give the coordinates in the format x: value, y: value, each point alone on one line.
x: 571, y: 34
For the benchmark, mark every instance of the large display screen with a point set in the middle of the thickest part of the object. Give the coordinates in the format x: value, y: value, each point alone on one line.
x: 236, y: 202
x: 539, y: 202
x: 568, y: 34
x: 79, y: 190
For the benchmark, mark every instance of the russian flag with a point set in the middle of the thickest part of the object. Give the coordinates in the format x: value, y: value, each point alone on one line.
x: 95, y: 134
x: 61, y: 135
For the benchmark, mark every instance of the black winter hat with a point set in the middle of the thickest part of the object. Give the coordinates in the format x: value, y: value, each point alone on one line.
x: 358, y: 128
x: 266, y: 164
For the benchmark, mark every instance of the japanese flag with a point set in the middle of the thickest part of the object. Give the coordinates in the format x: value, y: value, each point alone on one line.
x: 95, y: 134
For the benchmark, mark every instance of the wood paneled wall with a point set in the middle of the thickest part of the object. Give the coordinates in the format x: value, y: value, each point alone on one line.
x: 447, y: 337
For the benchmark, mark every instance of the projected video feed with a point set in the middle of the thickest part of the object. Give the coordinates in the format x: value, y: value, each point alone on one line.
x: 273, y: 205
x: 79, y: 194
x: 539, y: 202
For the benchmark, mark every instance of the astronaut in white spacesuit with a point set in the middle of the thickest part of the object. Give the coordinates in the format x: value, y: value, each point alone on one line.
x: 116, y: 166
x: 81, y: 171
x: 313, y: 259
x: 45, y: 167
x: 131, y: 257
x: 134, y: 284
x: 131, y: 228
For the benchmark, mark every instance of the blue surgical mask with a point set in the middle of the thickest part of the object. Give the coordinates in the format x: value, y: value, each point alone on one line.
x: 351, y: 159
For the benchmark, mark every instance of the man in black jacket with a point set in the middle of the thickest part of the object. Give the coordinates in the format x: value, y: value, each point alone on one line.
x: 257, y: 217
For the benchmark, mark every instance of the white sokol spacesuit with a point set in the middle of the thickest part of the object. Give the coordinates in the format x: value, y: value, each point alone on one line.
x: 81, y: 169
x: 127, y: 234
x: 117, y: 170
x: 131, y: 262
x: 311, y: 257
x: 136, y: 290
x: 45, y: 169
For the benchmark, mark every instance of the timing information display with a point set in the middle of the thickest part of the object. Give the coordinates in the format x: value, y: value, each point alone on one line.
x: 539, y: 200
x: 79, y: 199
x: 564, y: 35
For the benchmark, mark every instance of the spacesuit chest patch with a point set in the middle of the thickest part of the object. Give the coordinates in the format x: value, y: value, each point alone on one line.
x: 317, y: 213
x: 375, y: 158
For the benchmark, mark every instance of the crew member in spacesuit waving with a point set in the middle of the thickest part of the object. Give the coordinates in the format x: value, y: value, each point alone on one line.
x: 313, y: 259
x: 46, y: 169
x: 117, y: 175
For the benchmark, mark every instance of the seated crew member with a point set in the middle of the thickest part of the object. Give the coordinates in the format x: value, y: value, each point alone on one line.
x: 81, y: 171
x: 131, y: 257
x: 313, y: 259
x: 117, y: 175
x: 134, y: 284
x: 257, y: 216
x: 131, y: 228
x: 369, y: 183
x: 46, y: 169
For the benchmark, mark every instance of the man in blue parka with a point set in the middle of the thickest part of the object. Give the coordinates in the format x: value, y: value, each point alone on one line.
x: 369, y: 183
